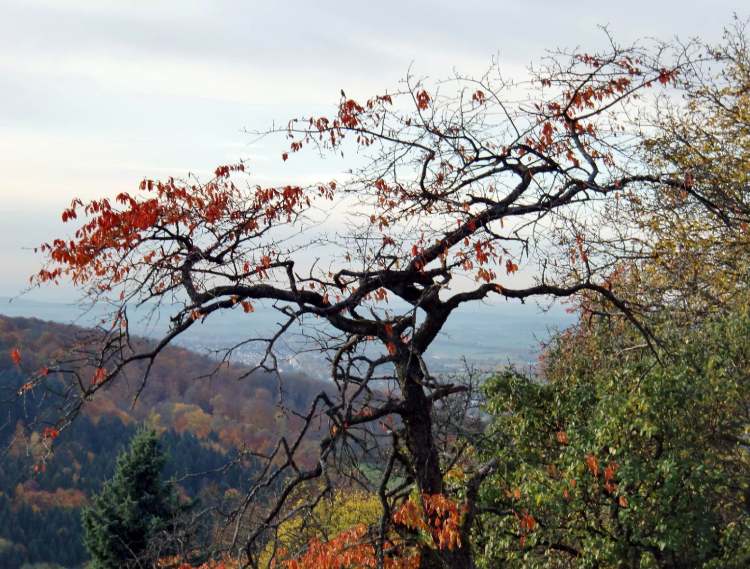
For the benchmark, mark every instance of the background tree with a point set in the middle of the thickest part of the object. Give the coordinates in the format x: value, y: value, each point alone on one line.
x: 132, y: 510
x: 459, y: 185
x: 612, y: 459
x: 698, y: 233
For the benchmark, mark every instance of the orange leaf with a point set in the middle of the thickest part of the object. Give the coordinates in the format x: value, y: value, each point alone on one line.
x: 15, y: 355
x: 609, y: 472
x: 593, y: 465
x: 50, y: 433
x: 423, y: 100
x: 528, y: 523
x: 99, y: 376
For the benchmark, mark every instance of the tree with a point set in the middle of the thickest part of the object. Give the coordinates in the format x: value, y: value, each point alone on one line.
x: 699, y: 233
x: 132, y: 509
x: 460, y: 182
x: 614, y: 460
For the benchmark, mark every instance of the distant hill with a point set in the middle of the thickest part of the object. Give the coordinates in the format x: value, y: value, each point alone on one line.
x: 486, y: 334
x: 205, y: 416
x: 185, y: 390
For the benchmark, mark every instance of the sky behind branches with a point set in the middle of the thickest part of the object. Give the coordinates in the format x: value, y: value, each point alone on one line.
x: 97, y: 94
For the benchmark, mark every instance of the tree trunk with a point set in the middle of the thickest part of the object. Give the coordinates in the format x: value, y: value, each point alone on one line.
x: 420, y: 442
x: 417, y: 417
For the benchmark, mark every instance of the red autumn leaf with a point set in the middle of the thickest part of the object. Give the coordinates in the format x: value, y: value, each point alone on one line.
x: 247, y: 307
x: 610, y: 470
x: 423, y: 100
x: 527, y: 522
x: 593, y: 465
x: 50, y: 433
x: 15, y: 355
x: 99, y: 376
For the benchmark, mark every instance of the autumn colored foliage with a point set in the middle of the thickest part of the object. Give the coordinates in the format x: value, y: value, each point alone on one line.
x: 435, y: 518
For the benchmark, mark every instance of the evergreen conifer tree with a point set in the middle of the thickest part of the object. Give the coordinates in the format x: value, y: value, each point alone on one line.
x: 131, y: 509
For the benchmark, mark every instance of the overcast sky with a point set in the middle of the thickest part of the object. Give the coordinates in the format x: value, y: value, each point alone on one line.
x: 96, y: 94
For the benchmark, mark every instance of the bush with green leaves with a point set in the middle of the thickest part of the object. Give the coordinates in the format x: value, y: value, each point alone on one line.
x: 614, y: 457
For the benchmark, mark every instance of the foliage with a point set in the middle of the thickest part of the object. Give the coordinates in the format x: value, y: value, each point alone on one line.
x: 42, y: 523
x: 621, y: 460
x: 426, y: 526
x: 132, y: 509
x: 631, y: 453
x: 43, y: 482
x: 330, y: 516
x: 700, y: 232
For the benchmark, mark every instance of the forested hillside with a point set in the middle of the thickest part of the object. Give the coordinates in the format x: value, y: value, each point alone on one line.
x: 205, y: 423
x: 186, y: 392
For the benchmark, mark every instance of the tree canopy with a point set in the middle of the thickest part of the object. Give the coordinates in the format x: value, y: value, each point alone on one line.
x: 622, y: 461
